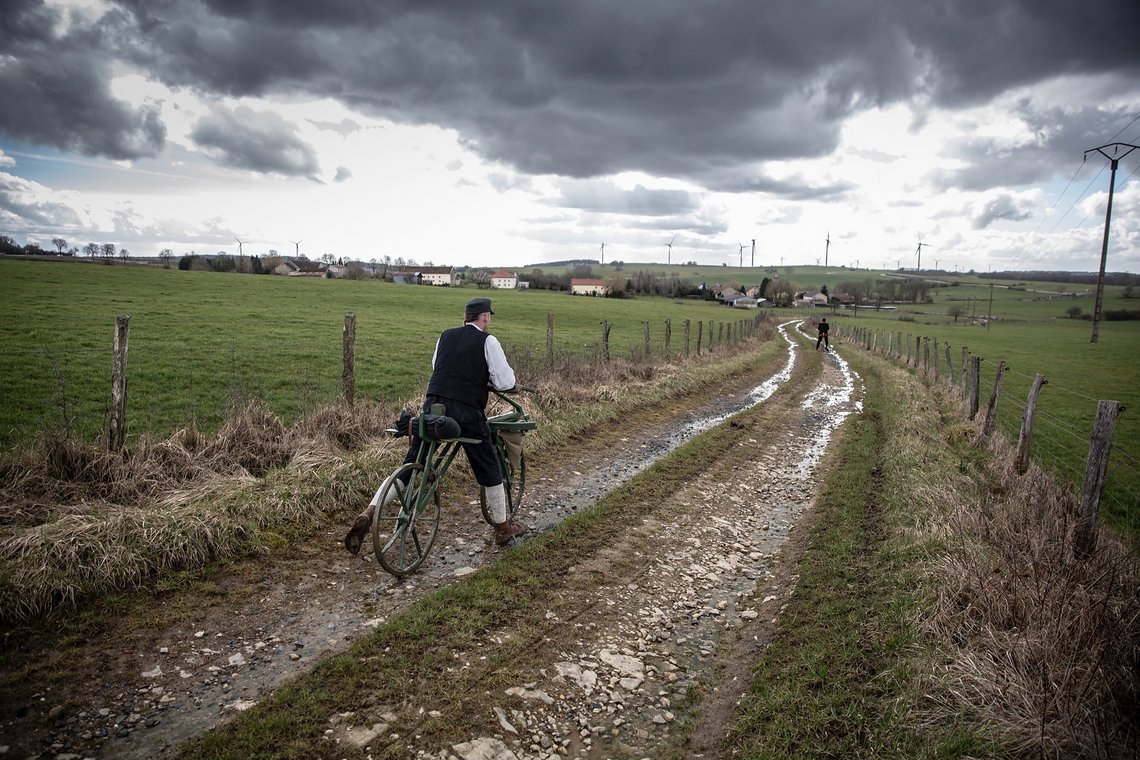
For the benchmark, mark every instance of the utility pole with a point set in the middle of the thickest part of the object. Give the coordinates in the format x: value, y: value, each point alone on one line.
x: 1114, y: 159
x: 990, y: 312
x: 753, y: 251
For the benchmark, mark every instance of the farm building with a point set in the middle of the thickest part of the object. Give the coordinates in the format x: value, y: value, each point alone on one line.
x: 587, y: 286
x: 504, y: 280
x: 301, y: 268
x: 446, y: 276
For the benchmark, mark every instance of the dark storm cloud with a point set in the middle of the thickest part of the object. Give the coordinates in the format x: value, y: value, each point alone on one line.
x: 1055, y: 143
x: 54, y: 90
x: 1002, y: 207
x: 594, y: 87
x: 262, y: 142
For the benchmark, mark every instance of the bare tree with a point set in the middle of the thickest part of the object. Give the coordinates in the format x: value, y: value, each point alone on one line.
x: 165, y: 255
x: 108, y: 250
x: 124, y: 254
x: 91, y: 249
x: 59, y: 243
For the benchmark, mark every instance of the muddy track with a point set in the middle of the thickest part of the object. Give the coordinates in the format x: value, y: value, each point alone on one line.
x: 707, y: 582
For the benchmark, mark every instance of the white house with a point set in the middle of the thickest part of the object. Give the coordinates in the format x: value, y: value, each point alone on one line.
x: 446, y: 276
x: 587, y: 286
x: 504, y: 279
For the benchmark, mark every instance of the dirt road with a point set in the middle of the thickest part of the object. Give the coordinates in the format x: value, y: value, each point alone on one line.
x: 677, y: 606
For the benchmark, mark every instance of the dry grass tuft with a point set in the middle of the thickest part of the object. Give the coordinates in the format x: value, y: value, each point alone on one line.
x: 1043, y: 643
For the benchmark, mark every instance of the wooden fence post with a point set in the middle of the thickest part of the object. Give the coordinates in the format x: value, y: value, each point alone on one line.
x: 949, y: 367
x: 711, y: 323
x: 720, y: 334
x: 700, y: 335
x: 687, y: 328
x: 934, y: 359
x: 908, y: 349
x: 117, y: 434
x: 550, y: 339
x: 925, y: 355
x: 1026, y: 435
x: 645, y: 339
x: 348, y: 374
x: 606, y: 339
x: 668, y: 337
x: 964, y: 386
x: 1096, y: 468
x: 975, y: 382
x: 992, y: 406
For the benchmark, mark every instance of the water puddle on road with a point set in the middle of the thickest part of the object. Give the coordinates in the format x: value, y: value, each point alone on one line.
x: 833, y: 403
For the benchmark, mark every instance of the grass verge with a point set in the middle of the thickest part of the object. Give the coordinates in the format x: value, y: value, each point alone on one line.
x: 838, y: 679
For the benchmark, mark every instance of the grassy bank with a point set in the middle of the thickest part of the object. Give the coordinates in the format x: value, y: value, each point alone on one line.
x: 941, y: 610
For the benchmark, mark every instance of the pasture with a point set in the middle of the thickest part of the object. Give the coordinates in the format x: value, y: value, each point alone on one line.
x: 201, y: 340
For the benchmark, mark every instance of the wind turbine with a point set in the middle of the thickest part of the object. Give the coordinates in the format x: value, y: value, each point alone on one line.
x: 669, y: 245
x: 742, y: 254
x: 827, y: 248
x: 920, y: 245
x: 297, y: 247
x: 753, y: 251
x: 602, y: 258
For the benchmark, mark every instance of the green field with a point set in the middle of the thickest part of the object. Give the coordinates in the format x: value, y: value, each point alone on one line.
x: 1032, y: 340
x: 201, y: 339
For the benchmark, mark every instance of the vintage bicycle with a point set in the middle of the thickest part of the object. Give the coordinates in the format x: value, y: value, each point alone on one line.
x: 404, y: 527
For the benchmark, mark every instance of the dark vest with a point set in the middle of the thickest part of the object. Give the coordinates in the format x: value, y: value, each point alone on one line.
x: 461, y: 371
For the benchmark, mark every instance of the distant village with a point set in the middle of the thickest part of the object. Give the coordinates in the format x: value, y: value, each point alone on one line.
x: 576, y: 277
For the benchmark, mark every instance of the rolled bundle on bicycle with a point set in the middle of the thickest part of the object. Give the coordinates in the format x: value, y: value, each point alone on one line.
x: 429, y: 427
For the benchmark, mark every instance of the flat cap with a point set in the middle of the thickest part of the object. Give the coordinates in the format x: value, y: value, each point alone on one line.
x: 478, y: 306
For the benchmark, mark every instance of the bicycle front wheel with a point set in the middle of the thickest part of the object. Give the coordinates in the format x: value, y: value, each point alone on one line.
x: 514, y: 481
x: 406, y: 522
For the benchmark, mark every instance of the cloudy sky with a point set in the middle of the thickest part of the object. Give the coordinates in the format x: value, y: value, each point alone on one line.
x: 509, y: 133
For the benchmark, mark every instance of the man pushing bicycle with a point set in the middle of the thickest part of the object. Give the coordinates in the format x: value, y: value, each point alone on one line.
x: 467, y: 362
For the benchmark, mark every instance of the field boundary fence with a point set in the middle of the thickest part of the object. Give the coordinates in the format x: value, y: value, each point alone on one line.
x: 147, y: 384
x: 1079, y: 452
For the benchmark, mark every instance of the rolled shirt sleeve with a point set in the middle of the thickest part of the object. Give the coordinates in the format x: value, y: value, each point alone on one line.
x: 502, y: 376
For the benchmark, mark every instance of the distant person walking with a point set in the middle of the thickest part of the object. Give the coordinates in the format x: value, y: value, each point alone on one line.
x: 823, y: 330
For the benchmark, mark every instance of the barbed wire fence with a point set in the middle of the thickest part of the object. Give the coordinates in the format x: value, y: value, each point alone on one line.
x: 168, y: 384
x: 1071, y: 437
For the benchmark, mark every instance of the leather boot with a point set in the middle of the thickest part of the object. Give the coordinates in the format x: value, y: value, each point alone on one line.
x: 355, y: 536
x: 506, y: 531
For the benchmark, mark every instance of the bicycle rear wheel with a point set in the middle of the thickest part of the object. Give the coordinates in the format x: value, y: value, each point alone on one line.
x: 514, y: 482
x: 406, y: 521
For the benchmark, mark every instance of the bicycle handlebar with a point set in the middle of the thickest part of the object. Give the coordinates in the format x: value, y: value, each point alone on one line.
x: 517, y: 408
